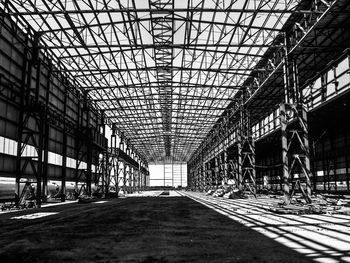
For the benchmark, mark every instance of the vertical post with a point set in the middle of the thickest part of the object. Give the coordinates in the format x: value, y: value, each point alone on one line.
x: 305, y: 138
x: 216, y: 170
x: 226, y: 165
x: 204, y: 182
x: 88, y: 137
x: 172, y: 174
x: 252, y: 168
x: 121, y: 143
x: 132, y: 178
x: 45, y: 163
x: 296, y: 92
x: 239, y: 160
x: 140, y: 174
x: 247, y: 151
x: 283, y: 119
x: 286, y: 70
x: 77, y: 144
x: 144, y: 174
x: 198, y: 179
x: 347, y: 160
x: 204, y: 173
x: 286, y: 190
x: 64, y: 165
x: 20, y: 127
x: 40, y: 159
x: 332, y: 163
x: 104, y: 169
x: 46, y: 139
x: 181, y: 174
x: 324, y: 167
x: 116, y: 170
x: 124, y: 177
x: 40, y: 117
x: 64, y: 149
x: 314, y: 172
x: 294, y: 104
x: 212, y: 172
x: 314, y: 169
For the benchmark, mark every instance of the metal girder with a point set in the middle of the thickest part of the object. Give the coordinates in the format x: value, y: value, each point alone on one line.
x: 162, y: 11
x: 295, y: 153
x: 163, y: 32
x: 32, y: 132
x: 319, y: 33
x: 160, y: 68
x: 120, y: 171
x: 154, y: 46
x: 181, y: 63
x: 246, y: 153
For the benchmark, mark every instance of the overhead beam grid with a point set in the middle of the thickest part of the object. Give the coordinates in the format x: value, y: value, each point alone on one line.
x: 162, y: 71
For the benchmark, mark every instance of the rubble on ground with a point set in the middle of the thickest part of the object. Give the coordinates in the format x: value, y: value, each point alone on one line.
x: 86, y: 199
x: 320, y: 203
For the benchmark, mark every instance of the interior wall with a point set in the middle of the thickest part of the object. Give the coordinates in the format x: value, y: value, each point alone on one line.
x: 63, y: 101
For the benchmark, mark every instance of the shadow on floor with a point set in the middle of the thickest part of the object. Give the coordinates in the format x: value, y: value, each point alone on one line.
x: 136, y: 230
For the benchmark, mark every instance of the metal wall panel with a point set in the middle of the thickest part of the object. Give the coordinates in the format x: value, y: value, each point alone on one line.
x: 53, y: 87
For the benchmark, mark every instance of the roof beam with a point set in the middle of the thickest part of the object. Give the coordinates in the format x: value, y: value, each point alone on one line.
x: 162, y: 11
x: 180, y: 46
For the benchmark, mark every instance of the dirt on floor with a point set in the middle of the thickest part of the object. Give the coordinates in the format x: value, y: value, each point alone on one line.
x: 144, y: 229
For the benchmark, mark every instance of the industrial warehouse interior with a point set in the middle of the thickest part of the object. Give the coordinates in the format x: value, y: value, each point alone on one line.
x: 165, y: 131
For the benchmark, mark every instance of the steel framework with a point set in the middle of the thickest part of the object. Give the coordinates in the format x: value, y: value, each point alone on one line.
x: 187, y: 80
x: 306, y: 46
x: 162, y: 71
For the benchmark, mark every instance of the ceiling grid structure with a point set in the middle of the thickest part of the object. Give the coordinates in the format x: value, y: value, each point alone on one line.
x: 163, y: 71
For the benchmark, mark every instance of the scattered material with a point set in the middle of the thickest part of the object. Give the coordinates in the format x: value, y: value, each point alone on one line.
x: 86, y: 199
x: 321, y: 204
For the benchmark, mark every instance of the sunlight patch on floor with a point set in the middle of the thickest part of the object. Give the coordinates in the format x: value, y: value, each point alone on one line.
x: 35, y: 215
x: 324, y: 238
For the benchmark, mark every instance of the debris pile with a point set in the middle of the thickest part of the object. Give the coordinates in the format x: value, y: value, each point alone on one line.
x: 321, y: 204
x: 226, y: 191
x: 86, y: 199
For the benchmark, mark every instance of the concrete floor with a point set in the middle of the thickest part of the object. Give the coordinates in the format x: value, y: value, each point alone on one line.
x: 322, y: 238
x: 171, y: 229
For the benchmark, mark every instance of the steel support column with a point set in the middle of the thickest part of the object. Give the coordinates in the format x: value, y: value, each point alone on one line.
x: 46, y: 139
x: 346, y: 160
x: 225, y: 166
x: 88, y: 141
x: 125, y: 180
x: 295, y: 152
x: 31, y: 129
x: 247, y: 154
x: 294, y: 128
x: 64, y: 153
x: 234, y: 164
